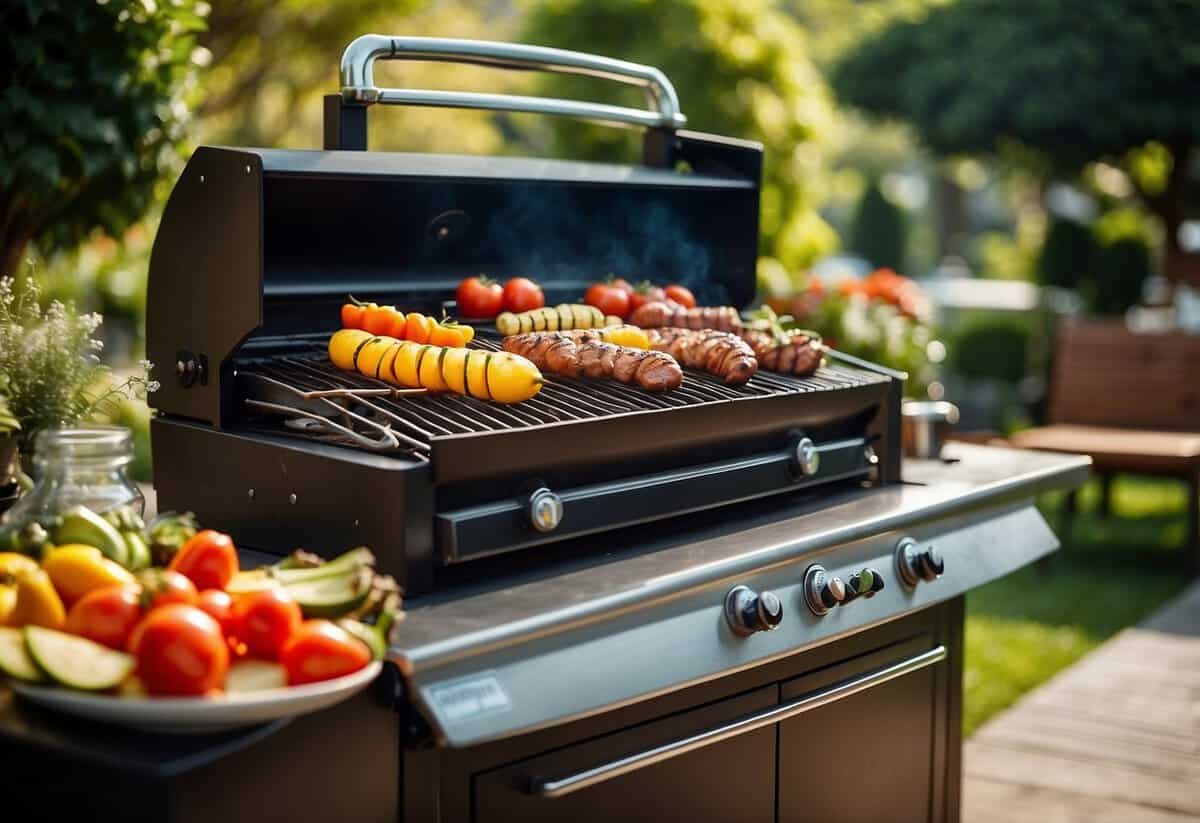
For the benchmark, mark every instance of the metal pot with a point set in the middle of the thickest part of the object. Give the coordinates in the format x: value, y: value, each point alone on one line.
x: 926, y: 425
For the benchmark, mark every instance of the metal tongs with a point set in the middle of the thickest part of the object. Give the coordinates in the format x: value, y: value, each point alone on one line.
x: 317, y: 411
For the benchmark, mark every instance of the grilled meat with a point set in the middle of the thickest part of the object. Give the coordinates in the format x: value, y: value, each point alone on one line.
x: 720, y: 318
x: 584, y: 354
x: 796, y: 353
x: 716, y: 352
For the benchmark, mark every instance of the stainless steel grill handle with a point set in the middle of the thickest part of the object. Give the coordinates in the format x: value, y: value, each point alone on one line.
x: 358, y: 80
x: 616, y: 768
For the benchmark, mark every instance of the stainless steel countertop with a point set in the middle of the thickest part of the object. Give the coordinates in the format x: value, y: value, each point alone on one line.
x: 520, y: 608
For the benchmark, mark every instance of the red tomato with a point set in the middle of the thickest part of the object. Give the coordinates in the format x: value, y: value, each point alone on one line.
x: 522, y: 294
x: 620, y: 283
x: 265, y: 620
x: 320, y: 650
x: 219, y: 606
x: 107, y: 616
x: 646, y: 292
x: 163, y: 586
x: 608, y: 299
x: 479, y: 297
x: 180, y: 650
x: 681, y: 295
x: 209, y: 559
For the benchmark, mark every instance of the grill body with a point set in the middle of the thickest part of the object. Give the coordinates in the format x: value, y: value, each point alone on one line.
x: 258, y: 249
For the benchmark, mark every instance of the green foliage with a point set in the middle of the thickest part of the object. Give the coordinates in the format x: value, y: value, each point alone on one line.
x: 740, y: 68
x: 50, y: 364
x: 1121, y: 269
x: 991, y: 348
x: 98, y: 91
x: 879, y: 232
x: 1076, y: 81
x: 1068, y: 254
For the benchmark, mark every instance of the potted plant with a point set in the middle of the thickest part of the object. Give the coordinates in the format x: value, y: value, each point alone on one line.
x: 50, y: 369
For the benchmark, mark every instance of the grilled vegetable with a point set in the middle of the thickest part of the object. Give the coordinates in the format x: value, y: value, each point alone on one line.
x: 15, y: 661
x: 498, y: 376
x: 562, y: 317
x: 630, y: 336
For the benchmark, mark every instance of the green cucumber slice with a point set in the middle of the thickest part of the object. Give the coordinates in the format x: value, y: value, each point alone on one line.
x: 15, y: 660
x: 255, y: 676
x: 342, y: 564
x: 332, y: 596
x: 76, y: 662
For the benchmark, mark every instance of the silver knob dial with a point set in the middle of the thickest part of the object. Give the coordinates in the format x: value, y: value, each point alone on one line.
x: 806, y: 460
x: 748, y: 612
x: 915, y: 564
x: 822, y: 591
x: 545, y: 510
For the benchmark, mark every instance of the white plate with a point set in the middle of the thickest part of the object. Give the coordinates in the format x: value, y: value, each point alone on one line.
x: 200, y: 715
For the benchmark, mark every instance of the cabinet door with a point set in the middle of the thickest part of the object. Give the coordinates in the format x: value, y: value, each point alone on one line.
x: 867, y: 757
x: 727, y: 781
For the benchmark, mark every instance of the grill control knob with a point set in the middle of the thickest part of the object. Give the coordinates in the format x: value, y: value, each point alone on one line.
x: 545, y: 510
x: 822, y: 591
x: 863, y: 584
x: 748, y: 612
x: 915, y: 564
x: 806, y: 460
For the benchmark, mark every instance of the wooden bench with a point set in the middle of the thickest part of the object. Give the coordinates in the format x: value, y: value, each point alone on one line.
x: 1132, y: 402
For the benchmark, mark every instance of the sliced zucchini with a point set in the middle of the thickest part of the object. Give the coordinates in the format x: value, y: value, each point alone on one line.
x: 255, y: 676
x: 332, y: 596
x: 14, y: 658
x: 76, y: 662
x: 251, y: 581
x: 342, y: 564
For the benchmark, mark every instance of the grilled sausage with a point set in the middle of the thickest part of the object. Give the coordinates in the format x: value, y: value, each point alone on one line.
x: 585, y: 354
x: 721, y: 318
x: 797, y: 354
x: 716, y: 352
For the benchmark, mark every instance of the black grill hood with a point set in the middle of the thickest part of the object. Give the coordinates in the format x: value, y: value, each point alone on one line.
x: 266, y: 244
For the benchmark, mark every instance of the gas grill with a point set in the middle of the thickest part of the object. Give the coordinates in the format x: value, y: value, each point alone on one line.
x: 715, y: 603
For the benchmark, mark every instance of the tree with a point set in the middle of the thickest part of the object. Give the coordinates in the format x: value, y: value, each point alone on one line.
x: 740, y: 68
x: 92, y: 107
x: 879, y: 232
x: 1056, y: 84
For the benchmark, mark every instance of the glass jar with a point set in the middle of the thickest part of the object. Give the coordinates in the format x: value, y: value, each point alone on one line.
x: 84, y: 466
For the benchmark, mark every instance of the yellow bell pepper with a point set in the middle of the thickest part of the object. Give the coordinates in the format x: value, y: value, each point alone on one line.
x: 76, y: 570
x: 37, y: 603
x: 11, y: 564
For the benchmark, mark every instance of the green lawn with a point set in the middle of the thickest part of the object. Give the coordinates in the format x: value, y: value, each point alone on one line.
x: 1113, y: 571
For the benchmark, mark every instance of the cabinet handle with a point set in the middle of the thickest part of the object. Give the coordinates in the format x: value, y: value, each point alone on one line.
x: 625, y: 765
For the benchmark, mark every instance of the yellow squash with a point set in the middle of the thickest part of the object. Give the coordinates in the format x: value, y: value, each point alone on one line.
x: 12, y: 564
x: 498, y: 376
x: 563, y: 317
x: 76, y: 570
x: 630, y: 336
x: 36, y: 602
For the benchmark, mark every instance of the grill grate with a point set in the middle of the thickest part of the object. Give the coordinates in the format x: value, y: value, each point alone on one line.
x: 415, y: 419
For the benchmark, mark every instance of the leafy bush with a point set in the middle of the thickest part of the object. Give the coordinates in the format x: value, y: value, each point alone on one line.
x: 991, y: 348
x: 879, y: 232
x: 1068, y: 254
x: 98, y: 88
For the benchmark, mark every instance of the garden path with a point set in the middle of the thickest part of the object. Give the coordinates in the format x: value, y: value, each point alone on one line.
x: 1114, y: 738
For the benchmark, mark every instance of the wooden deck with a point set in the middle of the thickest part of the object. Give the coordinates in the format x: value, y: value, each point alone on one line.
x: 1113, y: 739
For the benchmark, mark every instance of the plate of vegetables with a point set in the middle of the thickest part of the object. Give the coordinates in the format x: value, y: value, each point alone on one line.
x: 195, y: 643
